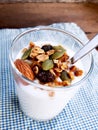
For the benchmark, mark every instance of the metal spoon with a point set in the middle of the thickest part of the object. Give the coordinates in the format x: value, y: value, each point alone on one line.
x: 85, y: 49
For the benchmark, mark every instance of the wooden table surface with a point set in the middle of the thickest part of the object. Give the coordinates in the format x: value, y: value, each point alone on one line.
x: 16, y: 15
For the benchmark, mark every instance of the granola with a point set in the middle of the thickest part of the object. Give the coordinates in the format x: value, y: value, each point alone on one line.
x: 48, y: 64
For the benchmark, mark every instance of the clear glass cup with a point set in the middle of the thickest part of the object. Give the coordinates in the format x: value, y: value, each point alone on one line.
x: 38, y: 101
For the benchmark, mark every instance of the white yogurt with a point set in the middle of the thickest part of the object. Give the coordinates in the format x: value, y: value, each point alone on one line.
x: 37, y: 104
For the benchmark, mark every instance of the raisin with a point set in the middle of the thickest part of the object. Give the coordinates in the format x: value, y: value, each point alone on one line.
x: 47, y: 48
x: 97, y: 48
x: 45, y: 76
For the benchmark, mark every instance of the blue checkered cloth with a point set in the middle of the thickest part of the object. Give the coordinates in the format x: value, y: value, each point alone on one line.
x: 81, y: 113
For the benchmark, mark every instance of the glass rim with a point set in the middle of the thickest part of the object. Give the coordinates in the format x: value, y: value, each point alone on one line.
x: 44, y: 86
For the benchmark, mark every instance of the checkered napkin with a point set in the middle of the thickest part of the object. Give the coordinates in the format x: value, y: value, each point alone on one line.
x: 81, y: 113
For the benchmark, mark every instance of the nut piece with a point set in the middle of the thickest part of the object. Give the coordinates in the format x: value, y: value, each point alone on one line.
x: 64, y: 66
x: 73, y: 68
x: 78, y: 72
x: 35, y: 51
x: 64, y: 58
x: 35, y: 63
x: 51, y: 93
x: 24, y: 68
x: 31, y: 44
x: 36, y: 69
x: 57, y: 70
x: 66, y: 83
x: 42, y: 57
x: 71, y: 75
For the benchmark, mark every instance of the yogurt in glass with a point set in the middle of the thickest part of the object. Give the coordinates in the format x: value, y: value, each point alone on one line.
x: 38, y: 101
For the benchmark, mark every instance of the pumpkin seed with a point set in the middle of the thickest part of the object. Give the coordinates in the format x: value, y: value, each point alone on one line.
x: 57, y: 55
x: 59, y: 52
x: 58, y: 48
x: 26, y: 54
x: 47, y: 64
x: 64, y: 76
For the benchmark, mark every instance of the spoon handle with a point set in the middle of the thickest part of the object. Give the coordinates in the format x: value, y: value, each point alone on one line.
x: 85, y: 49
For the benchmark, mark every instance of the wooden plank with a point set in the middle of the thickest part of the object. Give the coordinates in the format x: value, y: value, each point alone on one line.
x: 32, y: 14
x: 17, y: 1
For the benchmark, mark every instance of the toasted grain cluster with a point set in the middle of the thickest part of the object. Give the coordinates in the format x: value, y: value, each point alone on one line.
x: 48, y: 64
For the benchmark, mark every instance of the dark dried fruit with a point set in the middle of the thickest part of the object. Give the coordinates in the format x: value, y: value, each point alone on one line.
x: 45, y: 76
x: 97, y: 48
x: 47, y: 48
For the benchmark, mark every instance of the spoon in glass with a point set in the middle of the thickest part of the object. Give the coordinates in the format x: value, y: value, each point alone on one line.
x: 85, y: 49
